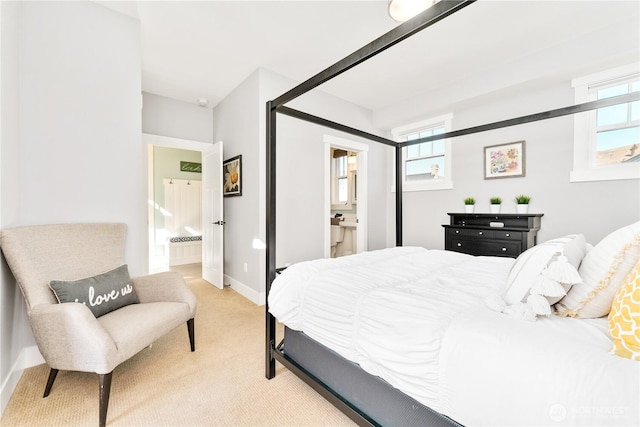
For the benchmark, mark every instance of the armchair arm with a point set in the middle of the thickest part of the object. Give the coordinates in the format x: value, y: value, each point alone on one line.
x: 167, y: 286
x: 70, y: 338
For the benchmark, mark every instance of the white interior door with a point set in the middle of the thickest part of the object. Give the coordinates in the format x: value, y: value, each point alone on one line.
x: 212, y: 216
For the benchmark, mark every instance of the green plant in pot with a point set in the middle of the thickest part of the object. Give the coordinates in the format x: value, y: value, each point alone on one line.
x: 469, y: 204
x: 522, y: 203
x: 495, y: 204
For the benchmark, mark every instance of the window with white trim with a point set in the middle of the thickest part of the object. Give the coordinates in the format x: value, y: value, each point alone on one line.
x: 427, y: 165
x: 343, y: 164
x: 341, y: 180
x: 607, y: 140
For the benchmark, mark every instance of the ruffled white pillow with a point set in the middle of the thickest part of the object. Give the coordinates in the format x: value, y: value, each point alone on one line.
x: 603, y: 271
x: 532, y: 263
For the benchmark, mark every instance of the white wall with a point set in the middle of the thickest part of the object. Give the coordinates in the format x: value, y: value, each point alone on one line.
x: 591, y: 208
x: 170, y: 117
x: 236, y: 123
x: 80, y: 119
x: 76, y: 154
x: 14, y: 329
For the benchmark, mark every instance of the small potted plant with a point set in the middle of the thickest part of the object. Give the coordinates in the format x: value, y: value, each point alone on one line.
x: 469, y: 204
x: 495, y: 203
x: 522, y: 203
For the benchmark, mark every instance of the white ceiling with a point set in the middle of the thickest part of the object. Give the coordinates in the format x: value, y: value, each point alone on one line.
x: 204, y: 49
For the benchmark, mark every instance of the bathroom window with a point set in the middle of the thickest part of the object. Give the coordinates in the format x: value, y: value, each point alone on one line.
x: 341, y: 179
x: 426, y: 166
x: 607, y: 140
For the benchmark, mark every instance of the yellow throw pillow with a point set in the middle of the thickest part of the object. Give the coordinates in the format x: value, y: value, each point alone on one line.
x: 624, y: 317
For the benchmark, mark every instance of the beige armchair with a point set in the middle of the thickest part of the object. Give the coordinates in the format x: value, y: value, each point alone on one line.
x: 69, y: 335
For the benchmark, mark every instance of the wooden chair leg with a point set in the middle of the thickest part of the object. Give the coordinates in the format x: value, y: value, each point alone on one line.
x: 192, y: 338
x: 105, y: 389
x: 52, y: 377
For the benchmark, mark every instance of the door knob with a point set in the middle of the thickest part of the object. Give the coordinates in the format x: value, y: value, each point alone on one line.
x: 220, y: 223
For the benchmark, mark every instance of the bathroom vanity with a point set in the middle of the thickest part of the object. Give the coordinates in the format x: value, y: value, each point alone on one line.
x: 343, y: 236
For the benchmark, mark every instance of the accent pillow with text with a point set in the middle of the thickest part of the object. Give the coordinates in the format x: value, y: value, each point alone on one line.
x: 102, y: 294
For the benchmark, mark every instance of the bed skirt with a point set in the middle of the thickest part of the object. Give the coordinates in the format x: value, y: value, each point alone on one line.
x: 372, y: 396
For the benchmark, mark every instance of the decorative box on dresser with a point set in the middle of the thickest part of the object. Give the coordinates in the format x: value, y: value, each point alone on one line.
x: 491, y: 234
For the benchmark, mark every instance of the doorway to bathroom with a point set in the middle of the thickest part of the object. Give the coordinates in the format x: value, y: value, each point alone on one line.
x: 345, y: 203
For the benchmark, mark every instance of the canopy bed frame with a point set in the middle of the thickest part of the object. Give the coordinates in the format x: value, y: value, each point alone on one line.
x: 315, y: 364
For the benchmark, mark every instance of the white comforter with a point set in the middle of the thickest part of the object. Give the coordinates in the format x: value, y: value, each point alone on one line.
x: 499, y: 370
x: 417, y: 319
x: 387, y: 310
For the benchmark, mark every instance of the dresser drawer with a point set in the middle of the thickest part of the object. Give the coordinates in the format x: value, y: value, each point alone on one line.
x: 508, y: 235
x: 470, y: 232
x: 484, y: 247
x: 499, y: 248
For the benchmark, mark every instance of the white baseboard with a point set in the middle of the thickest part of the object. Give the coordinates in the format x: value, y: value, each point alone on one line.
x: 10, y: 384
x: 258, y: 298
x: 28, y: 357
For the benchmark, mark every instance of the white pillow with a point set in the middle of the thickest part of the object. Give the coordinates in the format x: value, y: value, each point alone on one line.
x: 533, y: 261
x: 603, y: 271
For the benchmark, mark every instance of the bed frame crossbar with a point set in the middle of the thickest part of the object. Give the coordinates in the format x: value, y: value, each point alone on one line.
x: 403, y: 31
x: 334, y: 125
x: 435, y: 13
x: 550, y: 114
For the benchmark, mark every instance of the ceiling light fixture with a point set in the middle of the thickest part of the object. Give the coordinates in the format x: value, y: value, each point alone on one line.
x: 403, y: 10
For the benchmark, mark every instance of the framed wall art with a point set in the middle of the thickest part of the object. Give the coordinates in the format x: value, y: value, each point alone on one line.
x: 232, y: 174
x: 504, y: 160
x: 190, y: 167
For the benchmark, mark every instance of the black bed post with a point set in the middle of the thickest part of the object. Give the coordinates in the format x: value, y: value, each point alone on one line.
x: 398, y: 195
x: 270, y: 342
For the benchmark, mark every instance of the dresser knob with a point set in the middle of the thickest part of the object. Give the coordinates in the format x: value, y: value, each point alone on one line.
x: 457, y: 231
x: 480, y: 233
x: 459, y: 244
x: 508, y: 235
x: 504, y: 249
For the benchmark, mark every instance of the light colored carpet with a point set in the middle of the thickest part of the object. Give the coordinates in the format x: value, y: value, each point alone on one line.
x: 221, y: 384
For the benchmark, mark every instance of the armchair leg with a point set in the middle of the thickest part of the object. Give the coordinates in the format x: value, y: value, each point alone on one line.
x: 192, y: 338
x: 105, y: 389
x: 52, y: 377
